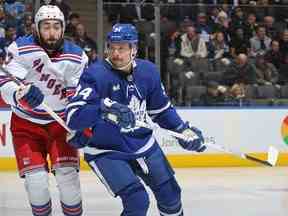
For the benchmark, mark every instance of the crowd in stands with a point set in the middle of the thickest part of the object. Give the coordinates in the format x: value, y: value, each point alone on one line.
x: 241, y: 49
x: 211, y: 54
x: 235, y: 47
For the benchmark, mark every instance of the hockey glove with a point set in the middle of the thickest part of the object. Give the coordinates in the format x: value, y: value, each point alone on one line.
x: 79, y: 139
x: 29, y: 96
x: 195, y: 139
x: 118, y: 114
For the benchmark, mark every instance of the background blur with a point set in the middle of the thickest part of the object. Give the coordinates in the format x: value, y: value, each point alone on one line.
x: 209, y: 52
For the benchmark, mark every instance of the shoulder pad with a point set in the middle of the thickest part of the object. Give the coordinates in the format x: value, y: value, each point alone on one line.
x: 95, y: 72
x: 71, y: 48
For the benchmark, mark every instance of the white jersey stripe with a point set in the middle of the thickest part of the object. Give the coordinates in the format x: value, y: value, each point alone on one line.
x: 157, y: 111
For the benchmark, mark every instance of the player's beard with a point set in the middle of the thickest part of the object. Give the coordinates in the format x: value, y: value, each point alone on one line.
x: 52, y: 45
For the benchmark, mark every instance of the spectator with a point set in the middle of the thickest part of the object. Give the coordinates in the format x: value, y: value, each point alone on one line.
x: 28, y: 29
x: 240, y: 72
x: 236, y: 95
x: 168, y: 26
x: 272, y: 29
x: 260, y: 43
x: 250, y: 26
x: 185, y: 23
x: 266, y: 73
x: 218, y: 50
x: 283, y: 71
x: 193, y: 50
x: 227, y: 9
x: 237, y: 91
x: 213, y: 15
x: 10, y: 36
x: 215, y: 95
x: 283, y: 43
x: 223, y: 25
x: 191, y: 45
x: 203, y: 27
x: 73, y: 21
x: 28, y: 19
x: 238, y: 18
x: 239, y: 43
x: 274, y: 56
x: 26, y: 26
x: 82, y: 39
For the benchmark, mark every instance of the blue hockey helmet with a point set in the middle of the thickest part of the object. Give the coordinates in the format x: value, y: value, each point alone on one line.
x: 123, y: 33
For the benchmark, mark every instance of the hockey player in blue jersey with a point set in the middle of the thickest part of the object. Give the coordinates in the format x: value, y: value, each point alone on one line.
x: 110, y: 97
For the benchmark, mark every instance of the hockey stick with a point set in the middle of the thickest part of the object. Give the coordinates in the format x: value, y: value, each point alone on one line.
x: 47, y: 108
x: 272, y: 151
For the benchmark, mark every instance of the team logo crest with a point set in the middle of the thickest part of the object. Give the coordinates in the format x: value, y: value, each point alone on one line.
x: 116, y: 87
x: 138, y: 108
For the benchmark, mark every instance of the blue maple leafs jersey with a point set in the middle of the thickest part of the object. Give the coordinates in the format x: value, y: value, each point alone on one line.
x: 142, y: 91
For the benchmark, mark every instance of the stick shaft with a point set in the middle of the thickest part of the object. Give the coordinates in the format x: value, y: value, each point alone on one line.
x: 56, y: 117
x: 47, y: 108
x: 14, y: 78
x: 214, y: 146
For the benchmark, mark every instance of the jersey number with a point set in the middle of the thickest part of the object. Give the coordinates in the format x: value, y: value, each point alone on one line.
x: 84, y: 92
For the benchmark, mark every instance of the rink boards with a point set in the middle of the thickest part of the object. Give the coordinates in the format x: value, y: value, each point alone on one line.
x: 247, y: 130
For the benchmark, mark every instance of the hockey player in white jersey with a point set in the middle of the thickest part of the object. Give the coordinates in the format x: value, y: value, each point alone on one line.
x: 49, y: 67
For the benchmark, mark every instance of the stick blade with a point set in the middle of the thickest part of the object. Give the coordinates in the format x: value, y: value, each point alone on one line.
x: 273, y: 154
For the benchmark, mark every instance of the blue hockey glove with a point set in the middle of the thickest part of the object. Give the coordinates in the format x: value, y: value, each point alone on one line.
x: 79, y: 139
x: 195, y: 141
x: 118, y: 114
x: 29, y: 96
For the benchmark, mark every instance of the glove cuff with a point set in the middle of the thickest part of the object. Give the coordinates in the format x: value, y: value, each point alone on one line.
x: 19, y: 97
x: 182, y: 127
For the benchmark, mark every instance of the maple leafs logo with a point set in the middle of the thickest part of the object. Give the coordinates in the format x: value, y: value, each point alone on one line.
x: 138, y: 108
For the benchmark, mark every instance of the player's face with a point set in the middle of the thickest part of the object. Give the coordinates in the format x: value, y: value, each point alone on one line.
x: 51, y: 32
x: 120, y: 54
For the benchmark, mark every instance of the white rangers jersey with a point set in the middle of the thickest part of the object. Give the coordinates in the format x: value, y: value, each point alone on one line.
x: 56, y: 76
